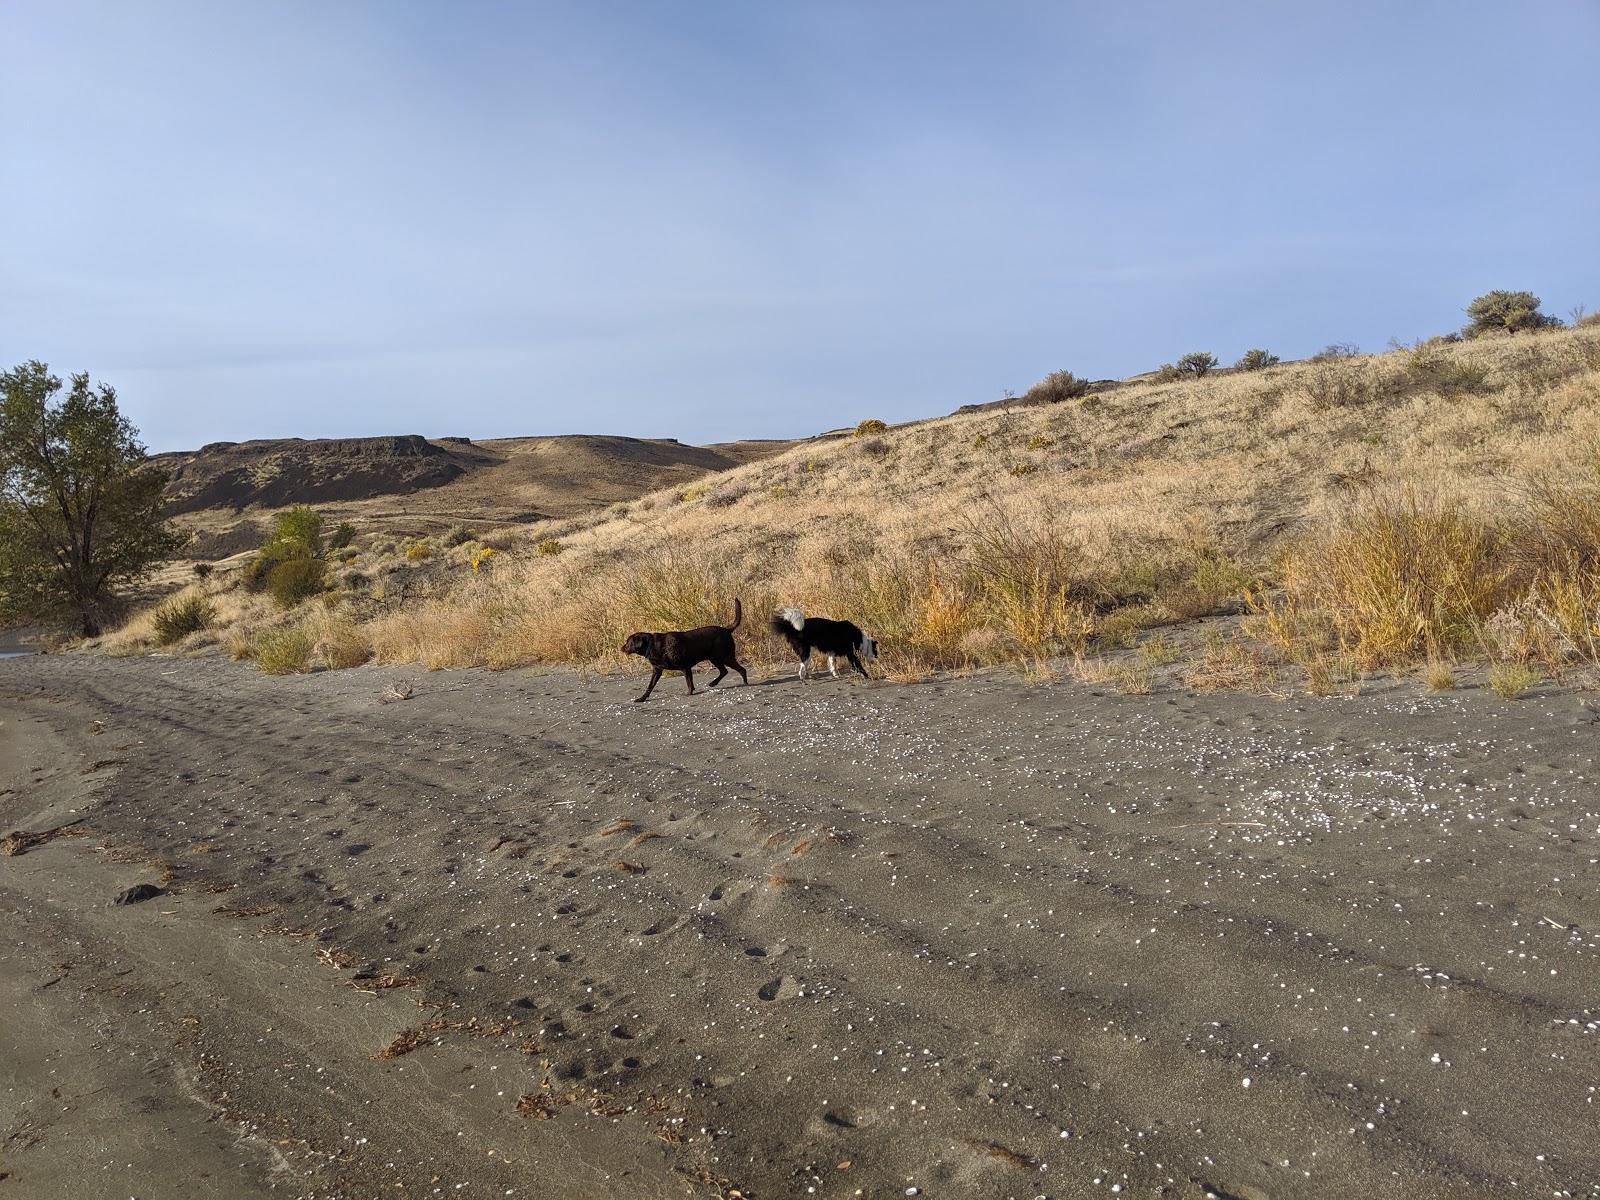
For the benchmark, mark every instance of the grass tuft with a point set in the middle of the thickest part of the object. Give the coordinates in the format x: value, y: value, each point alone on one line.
x: 181, y: 616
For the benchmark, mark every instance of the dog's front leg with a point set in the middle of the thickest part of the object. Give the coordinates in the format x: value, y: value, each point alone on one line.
x: 655, y: 677
x: 833, y: 667
x: 688, y: 677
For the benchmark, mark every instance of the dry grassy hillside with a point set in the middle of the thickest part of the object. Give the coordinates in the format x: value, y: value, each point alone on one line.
x: 1021, y: 534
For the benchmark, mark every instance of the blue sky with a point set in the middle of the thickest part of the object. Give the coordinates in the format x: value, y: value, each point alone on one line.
x: 716, y: 220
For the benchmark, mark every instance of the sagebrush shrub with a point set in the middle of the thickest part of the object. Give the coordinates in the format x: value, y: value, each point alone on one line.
x: 1506, y: 312
x: 418, y: 552
x: 1335, y: 351
x: 1338, y: 385
x: 1197, y: 364
x: 1056, y: 387
x: 870, y: 425
x: 342, y: 536
x: 1256, y: 360
x: 455, y: 536
x: 298, y: 579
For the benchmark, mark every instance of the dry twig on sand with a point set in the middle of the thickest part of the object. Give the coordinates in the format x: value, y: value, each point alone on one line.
x: 20, y: 841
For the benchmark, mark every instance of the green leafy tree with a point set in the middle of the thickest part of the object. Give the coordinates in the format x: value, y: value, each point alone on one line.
x: 80, y: 505
x: 1506, y: 312
x: 1196, y: 364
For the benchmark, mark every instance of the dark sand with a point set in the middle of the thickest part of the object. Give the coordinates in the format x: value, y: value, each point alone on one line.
x: 973, y: 938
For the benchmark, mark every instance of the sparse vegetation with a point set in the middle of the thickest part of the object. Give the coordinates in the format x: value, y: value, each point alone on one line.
x: 1400, y: 576
x: 1332, y: 384
x: 1439, y: 675
x: 1427, y: 368
x: 340, y: 644
x: 1133, y: 678
x: 1256, y: 360
x: 1197, y: 364
x: 870, y: 425
x: 1511, y: 679
x: 418, y: 551
x: 1056, y: 387
x: 182, y: 615
x: 1336, y: 352
x: 955, y: 547
x: 282, y: 649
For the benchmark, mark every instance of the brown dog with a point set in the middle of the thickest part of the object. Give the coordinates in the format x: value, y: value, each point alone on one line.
x: 681, y: 650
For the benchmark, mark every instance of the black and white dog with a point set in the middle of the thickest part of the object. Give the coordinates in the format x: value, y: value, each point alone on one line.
x: 836, y: 639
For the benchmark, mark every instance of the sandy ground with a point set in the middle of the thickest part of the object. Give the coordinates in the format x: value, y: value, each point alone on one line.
x: 971, y: 938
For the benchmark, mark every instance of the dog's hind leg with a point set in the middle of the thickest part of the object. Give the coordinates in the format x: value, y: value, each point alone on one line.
x: 688, y: 677
x: 805, y: 667
x: 655, y: 678
x: 833, y: 667
x: 721, y: 671
x: 743, y: 674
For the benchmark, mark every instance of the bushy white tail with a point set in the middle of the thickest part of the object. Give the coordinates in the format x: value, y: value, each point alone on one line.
x: 794, y: 617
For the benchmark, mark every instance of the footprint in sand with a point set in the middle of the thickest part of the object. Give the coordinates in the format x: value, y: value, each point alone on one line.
x: 785, y: 987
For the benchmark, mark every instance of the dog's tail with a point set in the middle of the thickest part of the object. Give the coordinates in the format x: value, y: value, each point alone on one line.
x: 738, y: 614
x: 792, y: 617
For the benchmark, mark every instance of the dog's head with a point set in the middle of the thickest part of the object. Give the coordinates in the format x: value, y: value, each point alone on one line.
x: 868, y: 649
x: 638, y: 643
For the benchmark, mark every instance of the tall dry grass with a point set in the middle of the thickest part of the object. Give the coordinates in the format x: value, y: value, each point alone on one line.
x: 1401, y: 578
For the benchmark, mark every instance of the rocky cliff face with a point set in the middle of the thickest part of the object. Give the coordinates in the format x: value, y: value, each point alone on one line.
x: 273, y: 473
